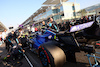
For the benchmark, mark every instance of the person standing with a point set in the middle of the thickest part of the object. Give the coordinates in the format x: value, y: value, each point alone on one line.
x: 62, y: 27
x: 92, y: 18
x: 98, y: 18
x: 59, y: 25
x: 17, y: 34
x: 0, y: 38
x: 67, y: 25
x: 4, y: 34
x: 36, y: 29
x: 81, y: 20
x: 9, y: 39
x: 89, y: 18
x: 48, y: 23
x: 86, y: 19
x: 53, y: 24
x: 72, y: 22
x: 52, y: 21
x: 20, y: 33
x: 33, y: 29
x: 44, y: 27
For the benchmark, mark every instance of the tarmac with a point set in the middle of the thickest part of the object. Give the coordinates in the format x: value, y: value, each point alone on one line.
x: 82, y: 60
x: 33, y: 58
x: 3, y: 53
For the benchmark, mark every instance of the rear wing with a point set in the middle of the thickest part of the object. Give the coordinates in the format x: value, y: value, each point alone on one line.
x: 81, y: 26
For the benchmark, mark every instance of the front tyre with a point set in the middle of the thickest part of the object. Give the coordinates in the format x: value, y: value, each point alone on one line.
x: 52, y: 56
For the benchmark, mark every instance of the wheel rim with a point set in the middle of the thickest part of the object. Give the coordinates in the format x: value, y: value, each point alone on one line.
x: 43, y: 58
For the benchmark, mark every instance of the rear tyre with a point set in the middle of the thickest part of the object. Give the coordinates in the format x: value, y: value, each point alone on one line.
x: 52, y: 56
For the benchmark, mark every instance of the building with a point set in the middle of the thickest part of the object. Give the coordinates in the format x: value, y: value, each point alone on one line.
x: 2, y: 27
x: 58, y: 9
x: 92, y: 10
x: 97, y: 11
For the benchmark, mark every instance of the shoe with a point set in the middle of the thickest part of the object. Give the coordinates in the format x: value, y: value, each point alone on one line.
x: 8, y: 55
x: 13, y: 58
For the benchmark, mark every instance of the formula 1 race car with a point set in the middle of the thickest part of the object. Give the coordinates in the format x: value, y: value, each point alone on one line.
x: 40, y: 39
x: 90, y: 35
x: 57, y: 48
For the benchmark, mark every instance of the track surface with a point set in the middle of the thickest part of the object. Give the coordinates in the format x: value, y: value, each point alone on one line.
x: 82, y: 60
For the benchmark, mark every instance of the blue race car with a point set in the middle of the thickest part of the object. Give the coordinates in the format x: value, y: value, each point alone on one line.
x: 40, y: 39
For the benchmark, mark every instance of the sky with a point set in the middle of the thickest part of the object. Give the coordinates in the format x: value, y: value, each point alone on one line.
x: 15, y: 12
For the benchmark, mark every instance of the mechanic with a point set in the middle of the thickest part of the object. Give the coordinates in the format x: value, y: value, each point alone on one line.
x: 18, y: 35
x: 12, y: 36
x: 44, y: 27
x: 98, y: 18
x: 24, y: 38
x: 53, y: 25
x: 4, y: 35
x: 8, y: 40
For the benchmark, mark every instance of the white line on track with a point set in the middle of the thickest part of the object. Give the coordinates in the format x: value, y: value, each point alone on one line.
x: 28, y: 61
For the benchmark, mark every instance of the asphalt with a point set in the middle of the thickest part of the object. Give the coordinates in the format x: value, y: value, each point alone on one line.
x: 33, y: 58
x: 3, y: 52
x: 82, y: 60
